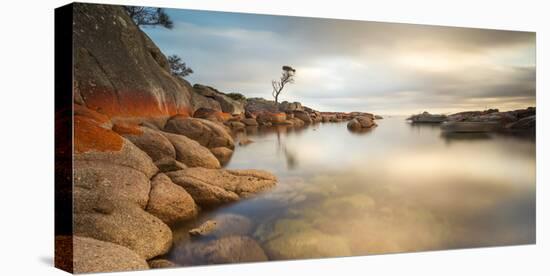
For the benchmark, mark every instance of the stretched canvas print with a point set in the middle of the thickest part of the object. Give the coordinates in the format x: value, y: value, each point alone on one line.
x: 188, y: 137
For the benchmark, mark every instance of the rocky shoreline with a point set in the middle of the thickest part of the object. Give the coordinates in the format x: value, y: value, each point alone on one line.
x: 149, y: 150
x: 520, y: 121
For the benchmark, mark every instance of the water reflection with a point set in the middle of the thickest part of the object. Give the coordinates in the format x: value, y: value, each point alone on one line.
x: 401, y: 188
x: 458, y: 136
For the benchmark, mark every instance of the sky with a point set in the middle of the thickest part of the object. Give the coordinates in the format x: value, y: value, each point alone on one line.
x: 344, y: 65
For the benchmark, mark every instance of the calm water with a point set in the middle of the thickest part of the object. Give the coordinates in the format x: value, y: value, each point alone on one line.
x: 397, y: 188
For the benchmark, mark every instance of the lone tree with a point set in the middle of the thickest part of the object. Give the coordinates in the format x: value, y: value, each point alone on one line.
x: 178, y: 67
x: 147, y: 16
x: 286, y: 77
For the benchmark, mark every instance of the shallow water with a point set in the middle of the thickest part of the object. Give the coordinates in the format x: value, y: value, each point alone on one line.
x: 396, y: 188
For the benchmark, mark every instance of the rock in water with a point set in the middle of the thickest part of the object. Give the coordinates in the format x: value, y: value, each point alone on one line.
x: 223, y: 154
x: 354, y: 125
x: 231, y: 225
x: 270, y: 117
x: 526, y: 123
x: 245, y: 141
x: 214, y: 187
x: 226, y: 250
x: 191, y: 153
x: 91, y: 255
x: 249, y: 122
x: 207, y: 133
x: 291, y: 239
x: 118, y: 70
x: 204, y: 229
x: 361, y: 123
x: 170, y: 202
x: 302, y: 115
x: 161, y: 263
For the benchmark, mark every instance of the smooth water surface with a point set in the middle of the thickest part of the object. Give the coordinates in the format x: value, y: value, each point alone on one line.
x: 396, y: 188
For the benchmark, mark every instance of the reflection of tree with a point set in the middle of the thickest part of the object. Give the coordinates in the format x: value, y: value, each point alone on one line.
x: 290, y: 156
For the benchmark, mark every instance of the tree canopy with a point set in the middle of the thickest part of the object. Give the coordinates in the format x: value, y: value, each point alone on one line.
x: 147, y: 16
x: 178, y: 68
x: 287, y: 76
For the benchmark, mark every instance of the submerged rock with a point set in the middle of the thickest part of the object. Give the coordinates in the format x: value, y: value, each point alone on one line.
x: 289, y: 239
x: 91, y: 255
x: 245, y: 141
x: 231, y: 224
x: 226, y: 250
x: 205, y: 229
x: 161, y: 263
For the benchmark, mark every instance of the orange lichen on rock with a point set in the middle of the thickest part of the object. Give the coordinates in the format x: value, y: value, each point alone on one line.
x: 224, y: 116
x: 80, y: 110
x: 90, y: 136
x: 131, y: 103
x: 127, y: 129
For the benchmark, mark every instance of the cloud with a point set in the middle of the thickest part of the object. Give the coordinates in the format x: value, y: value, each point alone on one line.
x: 347, y: 65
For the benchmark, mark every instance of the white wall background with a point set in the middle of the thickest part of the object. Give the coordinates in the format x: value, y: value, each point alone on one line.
x: 26, y: 147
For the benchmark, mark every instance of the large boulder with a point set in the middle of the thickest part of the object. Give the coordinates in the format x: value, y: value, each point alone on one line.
x: 191, y: 153
x: 109, y: 181
x: 152, y: 142
x: 226, y: 250
x: 122, y: 223
x: 212, y: 115
x: 92, y: 142
x: 207, y: 133
x: 249, y: 122
x: 361, y: 123
x: 170, y: 202
x: 227, y: 104
x: 118, y: 71
x: 302, y: 115
x: 214, y: 187
x: 259, y: 105
x: 222, y: 154
x: 91, y: 255
x: 287, y: 106
x: 271, y: 117
x: 169, y: 164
